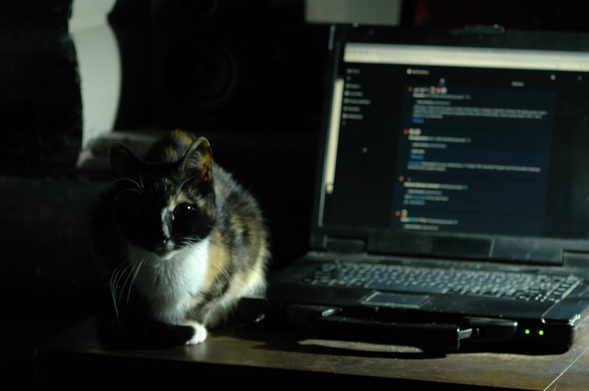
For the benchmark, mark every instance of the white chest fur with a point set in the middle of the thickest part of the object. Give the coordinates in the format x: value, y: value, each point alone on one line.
x: 171, y: 284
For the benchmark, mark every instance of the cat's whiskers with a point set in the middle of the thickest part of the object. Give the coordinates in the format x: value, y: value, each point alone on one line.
x: 130, y: 189
x: 119, y: 268
x: 110, y: 273
x: 133, y: 280
x: 119, y: 272
x: 113, y: 261
x: 134, y: 271
x: 139, y: 186
x: 141, y: 178
x: 114, y: 282
x: 129, y: 272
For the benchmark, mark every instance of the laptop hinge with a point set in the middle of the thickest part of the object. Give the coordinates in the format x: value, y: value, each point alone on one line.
x: 575, y: 258
x: 346, y: 245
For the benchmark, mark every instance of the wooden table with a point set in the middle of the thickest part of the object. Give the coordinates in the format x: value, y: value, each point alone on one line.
x: 285, y: 360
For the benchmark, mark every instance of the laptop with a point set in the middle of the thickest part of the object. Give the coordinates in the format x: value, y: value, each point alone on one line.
x: 452, y: 195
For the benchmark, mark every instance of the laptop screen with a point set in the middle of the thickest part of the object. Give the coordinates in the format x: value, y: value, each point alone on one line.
x: 437, y: 139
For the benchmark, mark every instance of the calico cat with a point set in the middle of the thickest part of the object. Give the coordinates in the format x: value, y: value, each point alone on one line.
x: 181, y: 242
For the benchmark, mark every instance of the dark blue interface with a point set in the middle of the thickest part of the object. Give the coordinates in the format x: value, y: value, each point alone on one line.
x: 455, y: 149
x: 472, y: 159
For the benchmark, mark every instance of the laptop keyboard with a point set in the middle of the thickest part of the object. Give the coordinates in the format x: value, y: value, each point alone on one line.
x: 512, y: 285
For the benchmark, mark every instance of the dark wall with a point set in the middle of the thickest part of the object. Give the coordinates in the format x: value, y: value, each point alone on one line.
x: 561, y: 15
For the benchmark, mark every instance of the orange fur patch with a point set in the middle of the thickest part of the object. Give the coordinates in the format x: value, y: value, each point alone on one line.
x: 218, y: 258
x: 171, y: 154
x: 183, y: 137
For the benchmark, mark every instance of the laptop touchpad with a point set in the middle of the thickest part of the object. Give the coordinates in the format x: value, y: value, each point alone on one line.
x: 396, y: 300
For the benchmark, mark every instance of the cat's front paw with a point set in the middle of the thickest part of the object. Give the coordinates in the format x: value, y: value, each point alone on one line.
x: 200, y: 334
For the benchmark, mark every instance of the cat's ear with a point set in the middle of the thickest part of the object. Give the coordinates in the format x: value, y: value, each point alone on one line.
x: 199, y: 160
x: 123, y: 163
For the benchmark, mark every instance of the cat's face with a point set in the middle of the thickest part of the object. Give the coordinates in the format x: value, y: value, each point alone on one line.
x: 164, y: 207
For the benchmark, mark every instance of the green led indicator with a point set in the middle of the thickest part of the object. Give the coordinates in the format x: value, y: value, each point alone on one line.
x: 541, y: 332
x: 527, y: 331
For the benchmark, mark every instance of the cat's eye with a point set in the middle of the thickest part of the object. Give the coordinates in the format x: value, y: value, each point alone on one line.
x: 184, y: 210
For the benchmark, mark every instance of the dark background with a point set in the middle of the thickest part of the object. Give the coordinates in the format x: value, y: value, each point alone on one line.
x: 249, y: 92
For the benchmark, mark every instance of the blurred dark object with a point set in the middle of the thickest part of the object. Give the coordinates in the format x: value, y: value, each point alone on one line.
x: 49, y: 274
x: 235, y: 65
x: 40, y: 101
